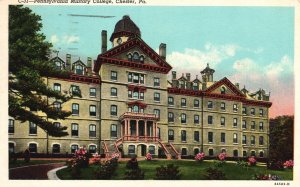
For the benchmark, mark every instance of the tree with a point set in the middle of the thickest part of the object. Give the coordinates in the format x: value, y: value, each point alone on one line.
x: 29, y: 65
x: 282, y: 138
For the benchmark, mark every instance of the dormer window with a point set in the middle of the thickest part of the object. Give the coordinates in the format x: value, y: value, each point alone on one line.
x: 129, y: 56
x: 181, y: 84
x: 119, y: 41
x: 136, y: 57
x: 79, y: 69
x: 58, y: 65
x: 223, y: 90
x: 195, y: 86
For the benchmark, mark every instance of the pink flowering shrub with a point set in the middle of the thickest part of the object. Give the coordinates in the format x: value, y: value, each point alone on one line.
x: 288, y: 164
x: 266, y: 177
x: 222, y: 156
x: 251, y: 161
x: 115, y: 156
x: 148, y: 156
x: 199, y: 157
x: 96, y: 158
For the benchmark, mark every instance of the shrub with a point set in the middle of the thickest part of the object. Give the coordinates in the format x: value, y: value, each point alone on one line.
x: 222, y: 156
x: 134, y: 174
x: 215, y: 174
x: 27, y: 155
x: 251, y: 161
x: 75, y: 171
x: 275, y: 165
x: 199, y: 157
x: 115, y: 156
x: 170, y: 172
x: 288, y: 164
x: 148, y: 156
x: 218, y: 164
x: 106, y: 169
x: 242, y: 163
x: 266, y: 177
x: 132, y: 164
x: 96, y: 158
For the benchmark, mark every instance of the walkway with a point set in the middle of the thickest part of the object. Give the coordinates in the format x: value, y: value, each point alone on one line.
x: 33, y: 171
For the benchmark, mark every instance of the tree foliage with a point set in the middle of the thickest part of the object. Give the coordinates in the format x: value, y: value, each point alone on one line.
x: 282, y: 138
x: 29, y: 67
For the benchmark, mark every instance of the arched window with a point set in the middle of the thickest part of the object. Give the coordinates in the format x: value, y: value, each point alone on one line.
x: 131, y: 149
x: 56, y: 148
x: 235, y: 153
x: 74, y: 147
x: 196, y: 151
x: 223, y: 90
x: 261, y: 154
x: 183, y: 151
x: 142, y: 58
x: 113, y: 110
x: 171, y: 135
x: 92, y: 131
x: 11, y: 147
x: 92, y: 149
x: 136, y: 57
x: 152, y: 149
x: 33, y: 147
x: 113, y: 131
x: 183, y: 118
x: 135, y: 108
x: 252, y: 153
x: 57, y: 87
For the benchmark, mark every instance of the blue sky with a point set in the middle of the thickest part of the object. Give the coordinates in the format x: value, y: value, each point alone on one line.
x: 250, y: 45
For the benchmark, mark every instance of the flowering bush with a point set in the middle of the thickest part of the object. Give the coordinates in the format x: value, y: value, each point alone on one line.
x: 96, y: 158
x: 288, y: 164
x: 81, y: 157
x: 106, y: 169
x: 148, y: 156
x: 251, y: 161
x: 115, y: 156
x: 199, y: 157
x: 222, y: 156
x: 266, y: 177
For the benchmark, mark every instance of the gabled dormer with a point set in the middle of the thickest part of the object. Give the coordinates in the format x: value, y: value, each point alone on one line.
x: 79, y: 67
x: 58, y: 62
x: 196, y: 84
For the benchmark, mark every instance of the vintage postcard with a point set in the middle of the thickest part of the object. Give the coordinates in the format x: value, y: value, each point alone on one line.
x: 125, y: 92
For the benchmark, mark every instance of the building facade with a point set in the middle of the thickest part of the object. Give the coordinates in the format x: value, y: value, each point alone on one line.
x: 129, y: 106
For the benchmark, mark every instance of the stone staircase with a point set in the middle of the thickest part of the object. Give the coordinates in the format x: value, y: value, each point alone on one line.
x: 109, y: 149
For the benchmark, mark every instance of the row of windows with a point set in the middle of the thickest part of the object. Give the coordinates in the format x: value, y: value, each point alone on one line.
x: 75, y: 109
x: 210, y: 105
x: 235, y: 152
x: 131, y: 149
x: 74, y: 90
x: 211, y: 140
x: 137, y: 78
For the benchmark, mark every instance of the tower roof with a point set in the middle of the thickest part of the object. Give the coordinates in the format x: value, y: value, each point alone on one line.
x: 127, y: 26
x: 207, y: 70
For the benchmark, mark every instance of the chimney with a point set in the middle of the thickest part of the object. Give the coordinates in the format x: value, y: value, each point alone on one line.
x: 188, y: 76
x: 162, y: 50
x: 173, y: 74
x: 237, y: 85
x: 89, y: 62
x: 104, y: 41
x: 68, y: 62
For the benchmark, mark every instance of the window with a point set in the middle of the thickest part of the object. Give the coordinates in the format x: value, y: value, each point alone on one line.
x: 75, y: 90
x: 182, y: 84
x: 129, y: 77
x: 33, y: 147
x: 252, y: 111
x: 74, y: 129
x: 131, y: 149
x: 113, y: 131
x: 74, y: 148
x: 171, y: 135
x: 92, y: 110
x: 253, y: 153
x: 244, y: 139
x: 196, y: 136
x: 235, y: 108
x: 113, y: 110
x: 196, y: 103
x: 244, y: 153
x: 157, y: 97
x: 136, y: 78
x: 151, y: 149
x: 235, y: 122
x: 113, y: 92
x: 223, y: 106
x: 235, y: 153
x: 156, y: 81
x: 183, y: 102
x: 210, y: 137
x: 222, y: 120
x: 244, y: 124
x: 58, y: 65
x: 92, y: 92
x: 92, y: 131
x: 196, y: 119
x: 196, y: 151
x: 209, y: 104
x: 57, y: 106
x: 57, y: 87
x: 183, y: 151
x: 79, y: 69
x: 92, y: 149
x: 223, y: 90
x: 158, y: 132
x: 171, y: 101
x: 244, y: 110
x: 32, y: 128
x: 223, y: 137
x: 129, y: 56
x: 56, y: 124
x: 223, y: 150
x: 235, y: 138
x: 210, y: 152
x: 171, y: 117
x: 261, y: 126
x: 183, y: 118
x: 261, y: 112
x: 210, y: 120
x: 55, y: 148
x: 261, y: 154
x: 114, y: 76
x: 195, y: 86
x: 261, y: 140
x: 11, y: 126
x: 183, y: 136
x: 252, y: 140
x: 157, y: 112
x: 75, y: 109
x: 136, y: 57
x: 252, y: 125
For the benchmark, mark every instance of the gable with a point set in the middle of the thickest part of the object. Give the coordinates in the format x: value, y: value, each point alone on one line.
x: 229, y: 88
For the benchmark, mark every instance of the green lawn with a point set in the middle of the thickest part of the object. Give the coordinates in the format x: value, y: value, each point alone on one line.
x: 190, y: 170
x: 20, y: 163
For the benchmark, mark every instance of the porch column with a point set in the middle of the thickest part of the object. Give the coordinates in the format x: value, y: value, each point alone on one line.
x: 155, y: 131
x: 126, y: 128
x: 137, y: 129
x: 145, y: 130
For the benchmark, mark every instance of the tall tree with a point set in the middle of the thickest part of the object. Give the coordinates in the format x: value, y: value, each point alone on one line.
x: 282, y: 138
x: 29, y: 65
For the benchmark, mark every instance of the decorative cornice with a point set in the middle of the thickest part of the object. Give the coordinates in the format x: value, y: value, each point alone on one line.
x: 140, y: 88
x: 80, y: 78
x: 138, y: 103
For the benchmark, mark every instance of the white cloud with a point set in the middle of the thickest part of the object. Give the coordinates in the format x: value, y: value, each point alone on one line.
x: 54, y: 39
x: 279, y: 69
x: 70, y: 39
x: 245, y: 64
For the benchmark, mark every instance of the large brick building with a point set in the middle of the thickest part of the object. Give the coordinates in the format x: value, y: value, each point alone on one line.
x: 129, y: 106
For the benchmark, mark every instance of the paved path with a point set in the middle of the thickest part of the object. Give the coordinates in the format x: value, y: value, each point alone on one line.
x: 33, y: 172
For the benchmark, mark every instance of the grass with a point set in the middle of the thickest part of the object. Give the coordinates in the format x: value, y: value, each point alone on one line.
x: 20, y: 163
x: 190, y: 170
